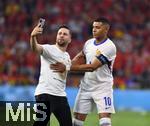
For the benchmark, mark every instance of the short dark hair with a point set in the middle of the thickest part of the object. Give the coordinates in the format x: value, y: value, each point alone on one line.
x: 65, y: 26
x: 103, y: 20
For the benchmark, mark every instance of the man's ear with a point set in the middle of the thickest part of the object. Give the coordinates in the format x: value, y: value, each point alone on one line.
x: 69, y: 41
x: 107, y: 28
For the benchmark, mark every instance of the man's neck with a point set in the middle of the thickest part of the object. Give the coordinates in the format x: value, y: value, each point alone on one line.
x: 62, y: 48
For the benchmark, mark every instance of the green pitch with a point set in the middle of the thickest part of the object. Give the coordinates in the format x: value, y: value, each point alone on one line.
x: 121, y: 118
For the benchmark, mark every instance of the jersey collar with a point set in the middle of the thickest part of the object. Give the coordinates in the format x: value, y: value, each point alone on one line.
x: 96, y: 44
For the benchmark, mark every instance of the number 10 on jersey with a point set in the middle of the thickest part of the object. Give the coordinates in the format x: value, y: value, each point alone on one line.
x: 107, y: 101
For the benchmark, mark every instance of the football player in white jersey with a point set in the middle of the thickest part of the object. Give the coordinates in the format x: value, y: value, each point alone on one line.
x: 51, y: 86
x: 96, y: 60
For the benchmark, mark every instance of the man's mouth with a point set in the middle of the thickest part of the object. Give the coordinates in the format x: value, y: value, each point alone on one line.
x: 61, y: 40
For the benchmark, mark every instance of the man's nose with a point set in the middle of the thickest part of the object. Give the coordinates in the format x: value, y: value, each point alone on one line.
x: 61, y: 35
x: 94, y: 30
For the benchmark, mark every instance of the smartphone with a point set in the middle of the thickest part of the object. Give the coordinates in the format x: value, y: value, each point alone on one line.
x: 41, y: 22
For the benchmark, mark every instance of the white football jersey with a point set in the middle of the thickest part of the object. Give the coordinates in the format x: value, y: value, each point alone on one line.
x: 50, y: 82
x: 101, y: 79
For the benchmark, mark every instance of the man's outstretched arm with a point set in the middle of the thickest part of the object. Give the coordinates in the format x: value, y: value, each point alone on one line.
x: 86, y: 67
x: 33, y: 40
x: 97, y: 62
x: 59, y: 67
x: 77, y: 60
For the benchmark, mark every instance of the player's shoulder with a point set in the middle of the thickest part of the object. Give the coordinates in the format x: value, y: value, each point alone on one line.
x: 110, y: 43
x: 89, y: 41
x: 48, y: 46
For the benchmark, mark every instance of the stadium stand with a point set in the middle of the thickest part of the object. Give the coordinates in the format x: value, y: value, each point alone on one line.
x: 130, y: 31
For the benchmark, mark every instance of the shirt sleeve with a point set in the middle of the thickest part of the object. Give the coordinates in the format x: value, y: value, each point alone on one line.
x: 84, y: 47
x: 47, y: 51
x: 68, y: 62
x: 109, y: 52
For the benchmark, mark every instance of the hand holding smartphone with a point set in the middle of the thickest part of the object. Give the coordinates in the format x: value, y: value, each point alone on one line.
x: 39, y: 28
x: 41, y: 22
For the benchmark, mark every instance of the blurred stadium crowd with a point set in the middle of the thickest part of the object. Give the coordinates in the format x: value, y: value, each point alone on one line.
x: 130, y: 31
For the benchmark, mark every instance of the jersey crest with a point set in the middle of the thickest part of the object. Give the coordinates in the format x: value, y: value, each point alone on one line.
x: 98, y: 52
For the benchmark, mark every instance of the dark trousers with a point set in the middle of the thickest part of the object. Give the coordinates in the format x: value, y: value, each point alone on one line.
x: 52, y: 104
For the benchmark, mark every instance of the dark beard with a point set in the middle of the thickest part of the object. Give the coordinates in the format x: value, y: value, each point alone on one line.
x: 62, y: 44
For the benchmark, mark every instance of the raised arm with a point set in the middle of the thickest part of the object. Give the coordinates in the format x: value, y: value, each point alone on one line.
x: 33, y: 40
